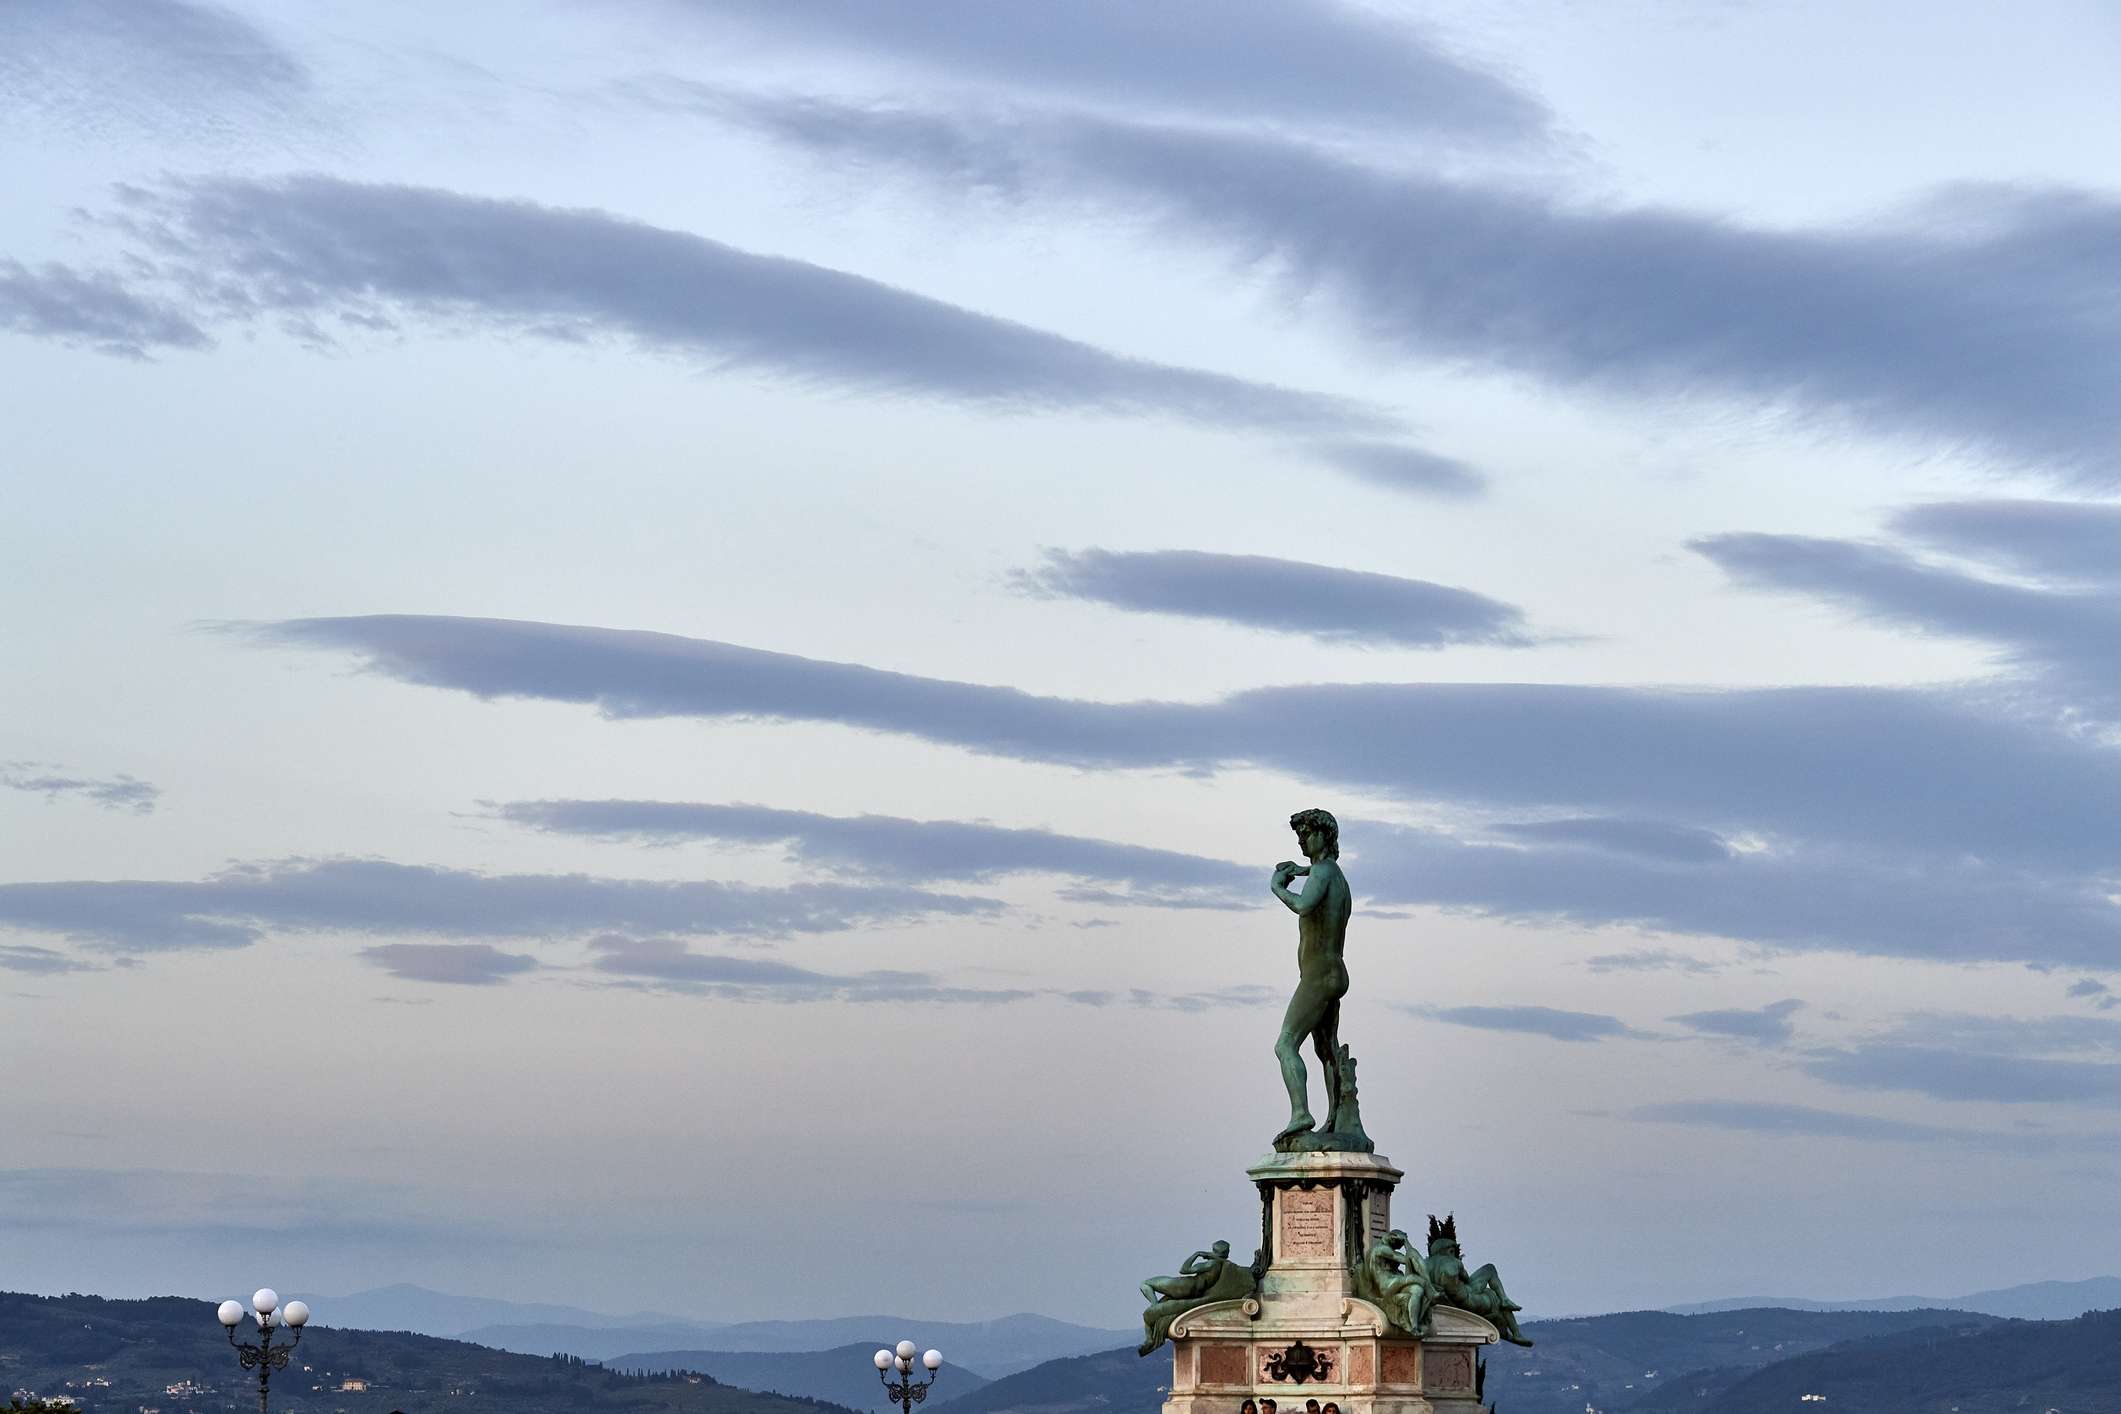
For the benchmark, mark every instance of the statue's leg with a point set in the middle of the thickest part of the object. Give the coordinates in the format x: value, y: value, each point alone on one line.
x: 1489, y: 1280
x: 1325, y: 1041
x: 1305, y: 1009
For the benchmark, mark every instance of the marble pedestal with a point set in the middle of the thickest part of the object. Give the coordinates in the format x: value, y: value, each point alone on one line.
x: 1306, y: 1334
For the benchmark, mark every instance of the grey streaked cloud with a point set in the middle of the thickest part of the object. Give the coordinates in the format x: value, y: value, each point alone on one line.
x: 1323, y: 602
x: 1651, y: 839
x: 1770, y: 1025
x: 667, y: 964
x: 1978, y: 320
x: 1303, y: 61
x: 2068, y: 540
x: 2092, y: 987
x: 1554, y: 1024
x: 378, y: 897
x: 1947, y: 1073
x: 91, y: 309
x: 1891, y: 821
x: 1407, y: 470
x: 170, y: 68
x: 1797, y: 897
x: 671, y: 965
x: 1800, y: 764
x: 1994, y: 1034
x: 36, y: 960
x: 312, y: 250
x: 118, y: 792
x: 905, y: 851
x: 2064, y: 636
x: 470, y: 964
x: 1804, y: 1121
x: 1649, y: 960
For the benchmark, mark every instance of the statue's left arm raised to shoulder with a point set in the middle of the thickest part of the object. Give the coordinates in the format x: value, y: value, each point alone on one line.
x: 1316, y: 887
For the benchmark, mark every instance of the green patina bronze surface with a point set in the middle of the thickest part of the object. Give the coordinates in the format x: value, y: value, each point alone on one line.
x: 1393, y: 1275
x: 1202, y: 1278
x: 1479, y: 1292
x: 1322, y: 911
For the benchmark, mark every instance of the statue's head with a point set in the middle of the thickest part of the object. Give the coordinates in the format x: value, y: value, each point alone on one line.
x: 1396, y: 1238
x: 1443, y: 1235
x: 1319, y: 822
x: 1220, y: 1249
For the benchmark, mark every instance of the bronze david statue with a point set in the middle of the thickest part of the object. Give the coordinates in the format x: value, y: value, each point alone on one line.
x: 1322, y: 912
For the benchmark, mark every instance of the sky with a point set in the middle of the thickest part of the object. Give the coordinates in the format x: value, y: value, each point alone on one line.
x: 658, y: 651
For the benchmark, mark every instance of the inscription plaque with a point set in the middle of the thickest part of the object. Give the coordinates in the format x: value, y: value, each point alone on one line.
x: 1380, y: 1215
x: 1307, y: 1223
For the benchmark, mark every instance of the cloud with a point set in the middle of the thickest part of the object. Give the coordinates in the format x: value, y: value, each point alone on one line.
x: 2065, y: 637
x: 1991, y: 1034
x: 1281, y: 596
x: 2069, y: 540
x: 167, y: 68
x: 39, y: 960
x: 377, y: 897
x: 1407, y: 470
x: 92, y: 310
x: 671, y: 965
x: 1802, y: 1121
x: 904, y: 851
x: 668, y: 965
x: 2088, y: 987
x: 1763, y: 1026
x: 1948, y: 1074
x: 312, y: 249
x: 1978, y: 319
x: 1649, y: 960
x: 1797, y: 897
x: 120, y: 792
x: 1892, y: 821
x: 471, y: 964
x: 1650, y: 839
x: 1531, y: 1020
x: 1837, y: 764
x: 1305, y: 61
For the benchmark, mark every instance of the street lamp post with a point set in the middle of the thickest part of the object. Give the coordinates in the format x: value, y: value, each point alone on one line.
x: 905, y: 1391
x: 265, y: 1357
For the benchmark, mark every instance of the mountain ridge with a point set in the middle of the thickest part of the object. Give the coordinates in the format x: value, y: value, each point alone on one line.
x: 2029, y: 1301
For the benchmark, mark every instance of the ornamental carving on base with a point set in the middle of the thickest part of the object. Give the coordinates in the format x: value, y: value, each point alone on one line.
x: 1299, y: 1363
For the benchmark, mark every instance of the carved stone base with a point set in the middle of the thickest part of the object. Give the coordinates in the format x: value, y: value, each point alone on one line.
x: 1222, y: 1355
x: 1306, y: 1335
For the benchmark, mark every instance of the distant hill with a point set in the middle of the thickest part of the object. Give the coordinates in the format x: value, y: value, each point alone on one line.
x: 1617, y: 1362
x: 997, y: 1347
x: 404, y: 1307
x: 2034, y: 1301
x: 590, y: 1342
x: 1108, y: 1382
x: 169, y: 1354
x: 1982, y: 1368
x: 843, y: 1375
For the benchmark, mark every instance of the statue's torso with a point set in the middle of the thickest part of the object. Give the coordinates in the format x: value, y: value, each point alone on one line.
x: 1322, y: 933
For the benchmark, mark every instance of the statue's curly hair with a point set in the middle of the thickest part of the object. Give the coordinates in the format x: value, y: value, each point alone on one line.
x: 1304, y: 820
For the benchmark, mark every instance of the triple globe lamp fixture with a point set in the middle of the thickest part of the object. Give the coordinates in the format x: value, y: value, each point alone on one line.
x: 905, y: 1391
x: 266, y: 1310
